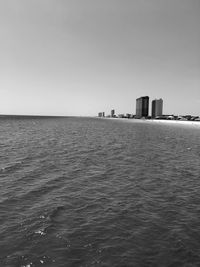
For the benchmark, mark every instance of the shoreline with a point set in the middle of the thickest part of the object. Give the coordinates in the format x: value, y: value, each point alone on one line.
x: 178, y: 122
x: 166, y: 122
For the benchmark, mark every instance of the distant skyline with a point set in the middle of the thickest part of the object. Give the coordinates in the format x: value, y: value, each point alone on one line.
x: 75, y: 57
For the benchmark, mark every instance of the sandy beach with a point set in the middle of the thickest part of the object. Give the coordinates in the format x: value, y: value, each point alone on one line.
x: 176, y: 122
x: 195, y: 124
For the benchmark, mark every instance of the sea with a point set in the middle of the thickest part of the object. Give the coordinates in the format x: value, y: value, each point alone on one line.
x: 91, y: 192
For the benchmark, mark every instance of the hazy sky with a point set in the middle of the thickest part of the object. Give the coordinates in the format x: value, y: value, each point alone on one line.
x: 79, y: 57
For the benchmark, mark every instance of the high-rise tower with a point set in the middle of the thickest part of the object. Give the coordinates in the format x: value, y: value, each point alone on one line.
x: 142, y: 107
x: 157, y: 108
x: 112, y: 113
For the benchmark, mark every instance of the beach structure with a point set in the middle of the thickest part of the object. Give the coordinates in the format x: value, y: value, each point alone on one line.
x: 157, y: 108
x: 142, y: 107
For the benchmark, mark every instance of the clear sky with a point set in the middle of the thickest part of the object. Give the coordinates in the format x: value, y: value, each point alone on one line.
x: 80, y: 57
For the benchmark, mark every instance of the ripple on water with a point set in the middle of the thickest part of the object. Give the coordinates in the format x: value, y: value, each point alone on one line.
x: 88, y: 192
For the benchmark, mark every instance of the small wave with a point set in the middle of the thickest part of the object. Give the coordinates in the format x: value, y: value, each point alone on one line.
x: 38, y: 261
x: 11, y: 167
x: 55, y: 212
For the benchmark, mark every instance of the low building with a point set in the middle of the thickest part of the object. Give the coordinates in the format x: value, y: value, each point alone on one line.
x: 101, y: 114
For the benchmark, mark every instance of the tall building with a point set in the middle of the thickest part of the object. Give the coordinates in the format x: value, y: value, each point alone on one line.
x: 157, y: 108
x: 112, y: 113
x: 142, y: 107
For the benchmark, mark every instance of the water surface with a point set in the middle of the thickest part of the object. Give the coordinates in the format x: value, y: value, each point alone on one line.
x: 98, y: 192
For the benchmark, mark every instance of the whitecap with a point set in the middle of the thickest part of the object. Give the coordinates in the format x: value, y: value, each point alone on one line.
x: 28, y: 265
x: 40, y: 232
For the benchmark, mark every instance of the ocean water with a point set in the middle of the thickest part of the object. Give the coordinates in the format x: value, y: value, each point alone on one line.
x: 98, y: 192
